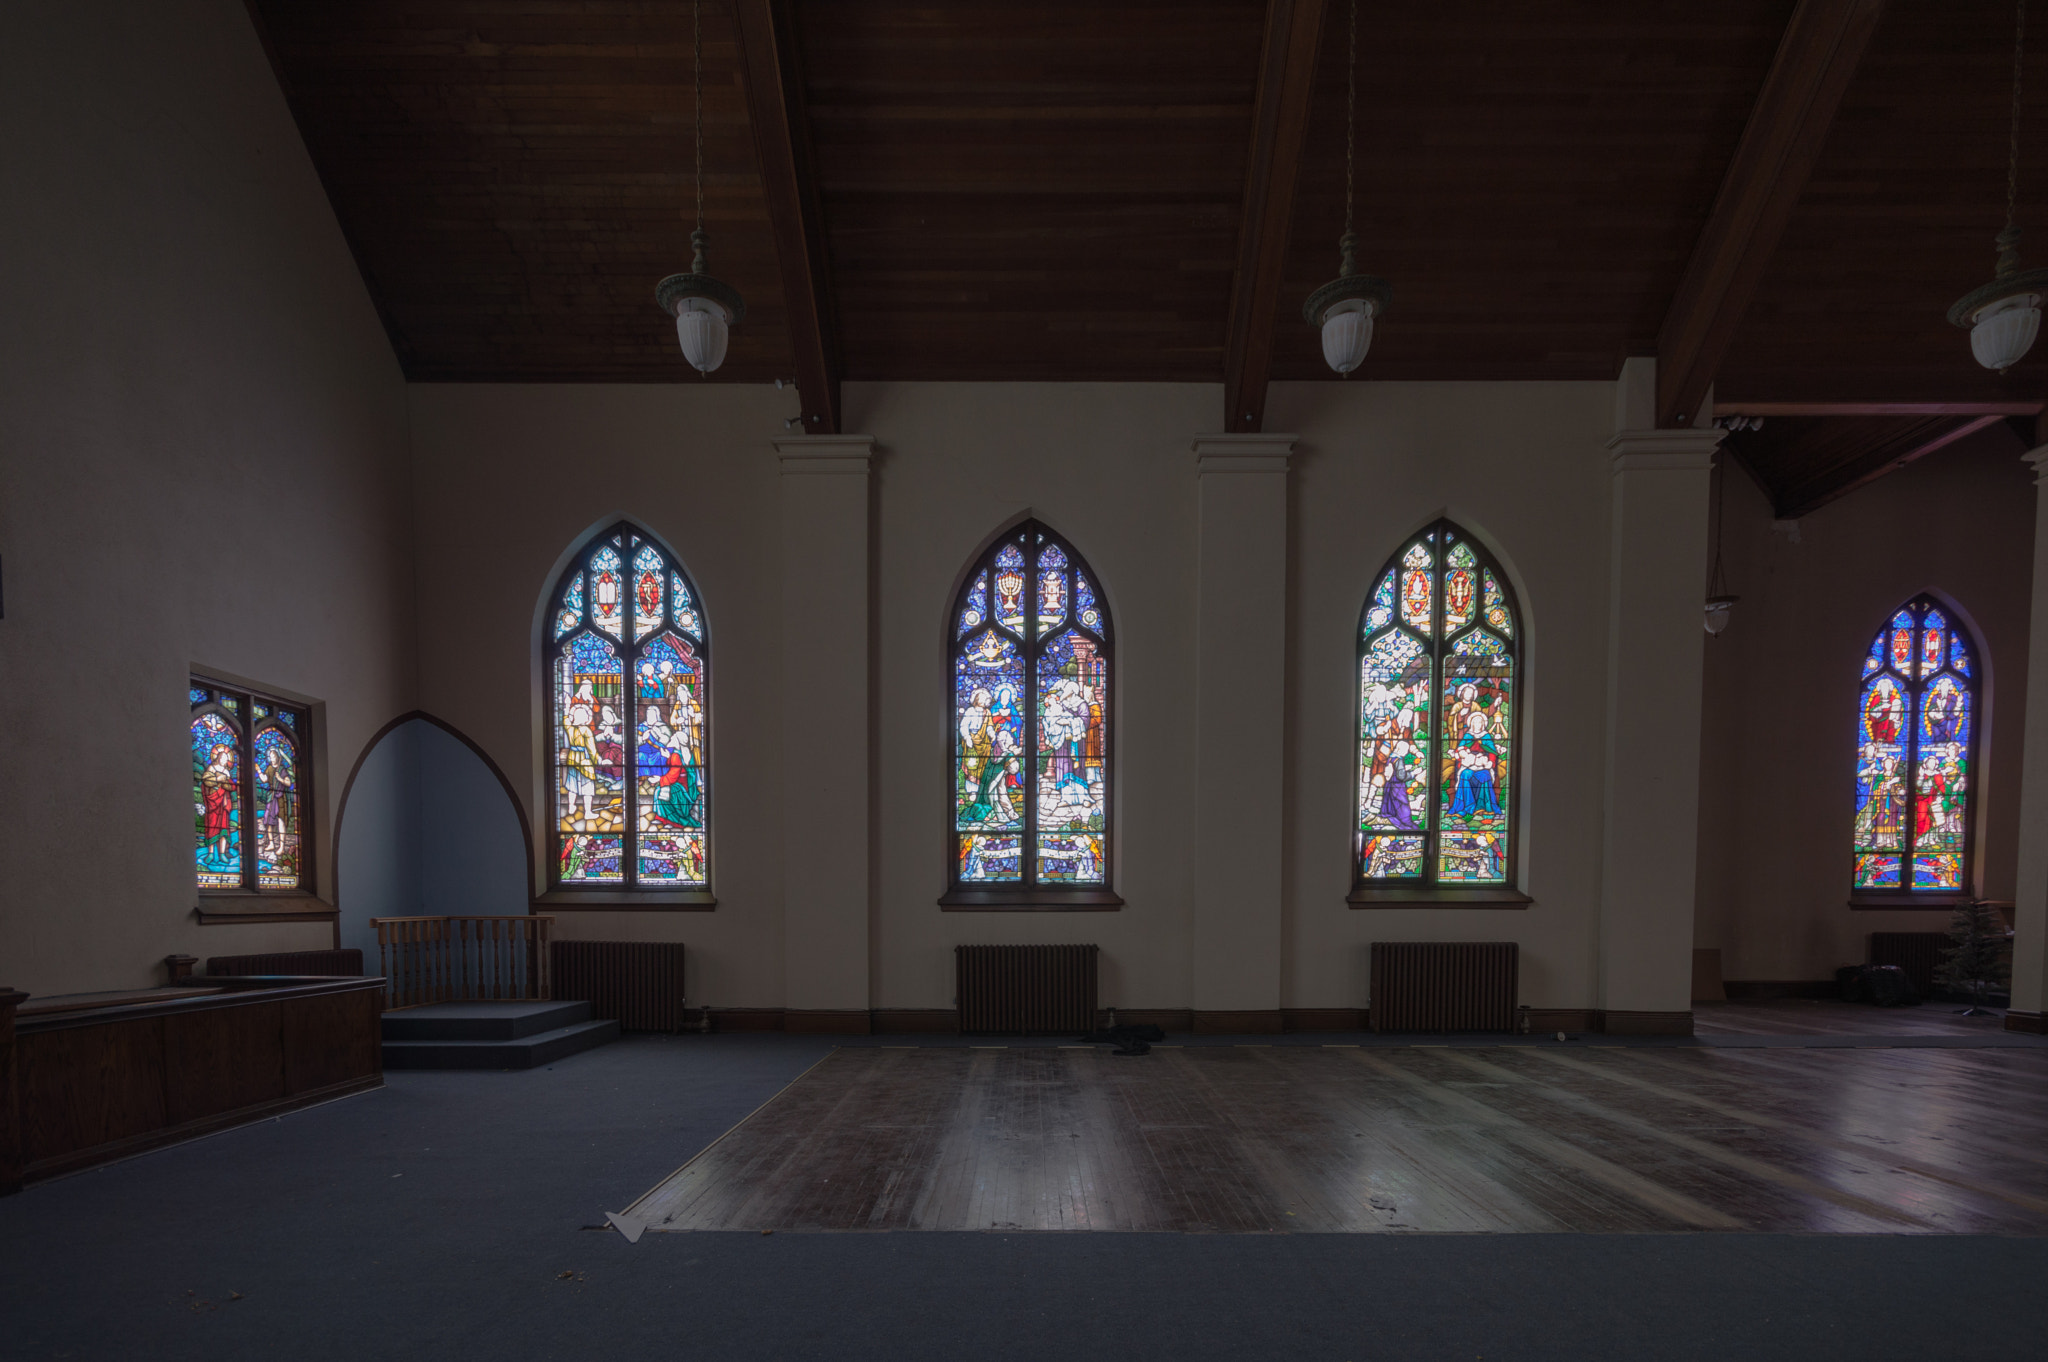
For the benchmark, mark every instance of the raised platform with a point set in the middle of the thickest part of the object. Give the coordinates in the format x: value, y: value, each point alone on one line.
x: 491, y: 1035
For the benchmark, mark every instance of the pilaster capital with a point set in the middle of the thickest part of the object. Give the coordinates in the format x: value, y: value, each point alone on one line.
x: 1665, y: 451
x: 1243, y: 453
x: 840, y: 455
x: 2038, y: 459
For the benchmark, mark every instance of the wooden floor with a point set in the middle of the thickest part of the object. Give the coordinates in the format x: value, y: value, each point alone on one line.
x: 1829, y: 1017
x: 1295, y: 1138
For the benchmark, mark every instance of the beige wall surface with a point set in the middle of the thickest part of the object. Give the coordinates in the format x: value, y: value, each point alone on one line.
x: 1777, y: 783
x: 202, y: 445
x: 1524, y: 467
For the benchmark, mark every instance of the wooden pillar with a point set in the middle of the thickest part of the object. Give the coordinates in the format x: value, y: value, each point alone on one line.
x: 1656, y: 590
x: 1240, y: 726
x: 2029, y: 1011
x: 825, y: 730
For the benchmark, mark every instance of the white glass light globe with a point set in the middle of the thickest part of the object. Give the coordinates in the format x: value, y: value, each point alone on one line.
x: 1347, y: 333
x: 701, y: 327
x: 2004, y: 331
x: 1718, y: 610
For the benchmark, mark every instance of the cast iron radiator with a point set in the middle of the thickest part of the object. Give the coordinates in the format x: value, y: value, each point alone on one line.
x: 638, y: 984
x: 1917, y: 953
x: 349, y: 962
x: 1443, y: 985
x: 1025, y: 989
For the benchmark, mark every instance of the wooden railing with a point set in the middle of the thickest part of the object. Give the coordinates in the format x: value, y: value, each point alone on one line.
x: 460, y: 959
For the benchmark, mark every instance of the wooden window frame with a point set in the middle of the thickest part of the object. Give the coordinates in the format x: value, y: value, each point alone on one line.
x: 1027, y: 894
x: 1913, y: 688
x: 1425, y: 890
x: 628, y: 893
x: 216, y: 903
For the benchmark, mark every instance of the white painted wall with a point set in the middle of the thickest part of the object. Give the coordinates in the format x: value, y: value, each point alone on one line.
x: 202, y: 462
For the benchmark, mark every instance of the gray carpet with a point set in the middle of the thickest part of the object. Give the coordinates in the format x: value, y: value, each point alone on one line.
x: 437, y: 1218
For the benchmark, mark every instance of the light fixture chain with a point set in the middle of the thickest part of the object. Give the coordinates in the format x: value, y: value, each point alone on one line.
x: 2012, y: 165
x: 697, y: 75
x: 1351, y: 113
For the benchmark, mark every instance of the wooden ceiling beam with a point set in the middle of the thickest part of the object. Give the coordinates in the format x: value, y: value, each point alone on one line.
x: 1916, y: 442
x: 1287, y: 77
x: 1787, y: 127
x: 1878, y: 408
x: 782, y: 140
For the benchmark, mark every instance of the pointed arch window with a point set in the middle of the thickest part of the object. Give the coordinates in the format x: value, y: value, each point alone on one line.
x: 1916, y: 739
x: 251, y: 782
x: 1439, y: 648
x: 629, y: 702
x: 1028, y: 760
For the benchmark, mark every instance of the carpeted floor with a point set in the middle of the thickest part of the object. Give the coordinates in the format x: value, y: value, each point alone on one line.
x: 438, y: 1218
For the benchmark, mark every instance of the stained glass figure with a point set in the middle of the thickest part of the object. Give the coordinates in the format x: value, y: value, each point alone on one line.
x: 1915, y: 741
x: 1436, y: 717
x: 1031, y: 696
x: 249, y: 791
x: 629, y: 721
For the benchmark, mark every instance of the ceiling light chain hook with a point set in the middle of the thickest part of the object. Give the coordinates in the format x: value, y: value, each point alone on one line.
x: 2009, y: 239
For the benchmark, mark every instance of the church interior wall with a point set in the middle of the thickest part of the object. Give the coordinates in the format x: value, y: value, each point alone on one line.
x: 204, y: 435
x: 1778, y: 730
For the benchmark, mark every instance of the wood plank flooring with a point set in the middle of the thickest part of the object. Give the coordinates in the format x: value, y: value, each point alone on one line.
x: 1421, y: 1138
x: 1830, y: 1017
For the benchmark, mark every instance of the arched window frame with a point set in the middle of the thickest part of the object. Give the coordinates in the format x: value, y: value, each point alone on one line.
x: 1495, y: 612
x: 248, y: 716
x: 1927, y: 772
x: 975, y: 615
x: 573, y: 613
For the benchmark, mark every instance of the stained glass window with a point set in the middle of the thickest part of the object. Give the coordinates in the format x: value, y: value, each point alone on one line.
x: 250, y: 786
x: 1438, y: 646
x: 1916, y: 733
x: 1029, y: 755
x: 628, y: 717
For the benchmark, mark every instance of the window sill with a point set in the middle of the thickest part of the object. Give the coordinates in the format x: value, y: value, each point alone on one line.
x: 216, y: 909
x: 627, y: 901
x: 1424, y: 896
x: 1030, y: 901
x: 1936, y: 900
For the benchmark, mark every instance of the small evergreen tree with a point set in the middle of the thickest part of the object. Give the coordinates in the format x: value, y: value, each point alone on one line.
x: 1975, y: 960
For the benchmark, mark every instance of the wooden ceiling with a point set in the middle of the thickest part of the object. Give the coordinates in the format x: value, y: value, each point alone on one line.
x: 1782, y: 198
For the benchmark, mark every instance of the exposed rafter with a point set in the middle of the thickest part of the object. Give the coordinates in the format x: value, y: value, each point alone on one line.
x: 1722, y: 408
x: 1287, y: 71
x: 782, y: 140
x: 1787, y: 127
x: 1803, y: 463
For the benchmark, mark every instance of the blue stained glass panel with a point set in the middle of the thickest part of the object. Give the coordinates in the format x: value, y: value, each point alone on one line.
x: 1394, y: 734
x: 289, y: 719
x: 1068, y: 858
x: 648, y: 571
x: 668, y: 692
x: 1381, y: 612
x: 590, y: 708
x: 1498, y: 615
x: 1009, y: 588
x: 989, y: 734
x: 1383, y: 856
x: 976, y: 608
x: 986, y: 859
x: 683, y: 607
x: 1958, y: 655
x: 1052, y: 588
x: 1085, y: 608
x: 1879, y: 871
x: 198, y: 696
x: 1073, y: 694
x: 1461, y: 588
x: 570, y: 613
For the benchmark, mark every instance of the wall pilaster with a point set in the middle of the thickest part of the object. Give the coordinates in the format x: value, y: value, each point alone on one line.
x: 2030, y: 919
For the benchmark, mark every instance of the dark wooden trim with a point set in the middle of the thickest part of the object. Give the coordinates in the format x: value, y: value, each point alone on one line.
x: 1619, y: 1023
x: 1756, y: 990
x: 827, y: 1021
x: 10, y: 1094
x: 1262, y: 1021
x: 769, y: 54
x: 1287, y: 78
x: 2028, y: 1023
x: 1030, y: 900
x: 1787, y: 127
x: 914, y: 1021
x: 627, y: 901
x: 1832, y: 485
x: 745, y: 1018
x: 1424, y: 896
x: 1324, y: 1018
x: 1165, y: 1018
x: 1545, y: 1020
x: 1935, y: 901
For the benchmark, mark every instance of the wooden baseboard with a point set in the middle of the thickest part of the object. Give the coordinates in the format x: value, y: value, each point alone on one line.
x: 746, y: 1018
x: 828, y: 1021
x: 915, y: 1021
x: 1165, y: 1018
x: 1619, y: 1023
x: 1323, y: 1018
x: 1762, y: 990
x: 2031, y: 1023
x: 1262, y: 1021
x: 1548, y: 1020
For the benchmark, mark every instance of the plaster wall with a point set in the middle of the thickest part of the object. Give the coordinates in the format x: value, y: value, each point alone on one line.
x: 202, y: 463
x: 1778, y: 748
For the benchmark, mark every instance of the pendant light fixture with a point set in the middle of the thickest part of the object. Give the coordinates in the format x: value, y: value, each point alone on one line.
x: 2003, y: 316
x: 703, y: 307
x: 1719, y: 603
x: 1344, y: 309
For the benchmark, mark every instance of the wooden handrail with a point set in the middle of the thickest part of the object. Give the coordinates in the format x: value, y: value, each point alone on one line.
x: 464, y: 958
